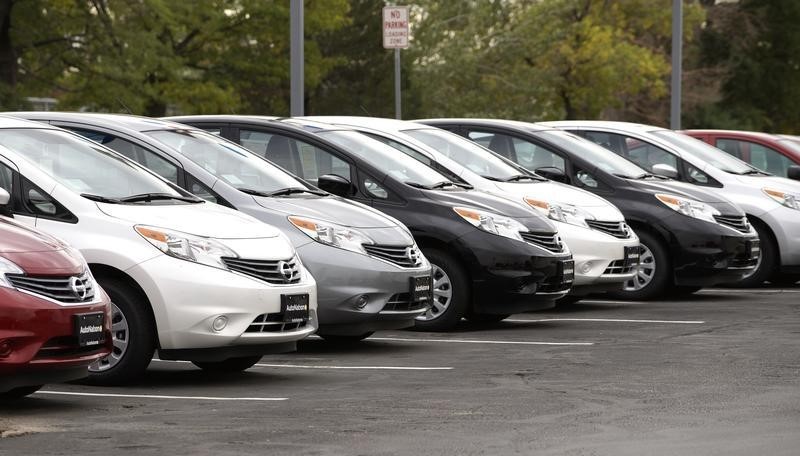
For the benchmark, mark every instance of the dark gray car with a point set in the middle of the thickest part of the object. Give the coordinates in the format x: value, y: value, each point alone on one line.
x: 370, y: 273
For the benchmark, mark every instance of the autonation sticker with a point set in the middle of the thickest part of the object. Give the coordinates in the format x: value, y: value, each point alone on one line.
x: 395, y: 27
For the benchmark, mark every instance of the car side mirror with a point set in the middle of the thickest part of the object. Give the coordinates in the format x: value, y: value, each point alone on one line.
x: 5, y: 198
x: 552, y: 173
x: 662, y: 169
x: 335, y: 184
x: 793, y: 172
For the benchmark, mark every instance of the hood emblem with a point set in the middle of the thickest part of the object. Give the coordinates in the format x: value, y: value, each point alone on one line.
x: 286, y: 271
x: 78, y: 287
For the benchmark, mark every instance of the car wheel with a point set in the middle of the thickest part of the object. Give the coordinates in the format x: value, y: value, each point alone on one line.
x: 133, y: 337
x: 451, y: 293
x: 486, y: 319
x: 345, y: 340
x: 654, y: 274
x: 229, y: 365
x: 767, y: 260
x: 18, y: 393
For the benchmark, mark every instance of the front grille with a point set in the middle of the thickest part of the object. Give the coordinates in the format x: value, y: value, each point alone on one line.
x: 616, y: 229
x: 619, y: 267
x: 278, y: 272
x: 273, y: 322
x: 403, y: 256
x: 738, y: 223
x: 401, y: 302
x: 70, y: 290
x: 547, y: 241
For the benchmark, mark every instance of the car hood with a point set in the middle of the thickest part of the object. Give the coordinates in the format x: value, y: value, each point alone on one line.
x: 491, y: 203
x: 201, y: 219
x: 775, y: 182
x: 686, y: 190
x: 37, y: 253
x: 554, y: 192
x: 328, y: 208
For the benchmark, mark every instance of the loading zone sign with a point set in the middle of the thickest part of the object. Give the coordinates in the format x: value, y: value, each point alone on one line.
x: 395, y: 27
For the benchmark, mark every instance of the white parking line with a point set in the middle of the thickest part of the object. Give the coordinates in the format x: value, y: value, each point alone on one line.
x: 476, y: 341
x: 155, y: 396
x: 612, y: 320
x: 750, y: 290
x: 303, y: 366
x: 311, y: 366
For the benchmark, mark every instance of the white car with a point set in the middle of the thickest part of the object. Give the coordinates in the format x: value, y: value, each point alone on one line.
x: 593, y: 228
x: 195, y: 280
x: 772, y: 204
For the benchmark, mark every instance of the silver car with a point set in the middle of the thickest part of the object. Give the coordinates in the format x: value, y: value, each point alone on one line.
x: 370, y: 273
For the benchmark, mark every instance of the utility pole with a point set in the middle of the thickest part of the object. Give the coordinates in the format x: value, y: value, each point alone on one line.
x: 677, y: 64
x: 296, y: 57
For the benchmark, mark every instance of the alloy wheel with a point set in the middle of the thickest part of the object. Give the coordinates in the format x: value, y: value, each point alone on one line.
x: 442, y: 294
x: 644, y: 272
x: 120, y: 333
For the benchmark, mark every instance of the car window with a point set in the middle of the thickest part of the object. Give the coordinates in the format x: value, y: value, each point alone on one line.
x: 730, y: 146
x: 525, y: 153
x: 764, y: 158
x: 374, y: 189
x: 6, y: 178
x: 149, y: 159
x: 642, y: 153
x: 598, y: 156
x: 74, y: 163
x: 701, y: 150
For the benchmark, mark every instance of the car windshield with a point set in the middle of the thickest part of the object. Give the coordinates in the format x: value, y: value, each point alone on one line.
x: 599, y: 156
x: 465, y: 152
x: 229, y: 162
x: 385, y: 158
x: 709, y: 154
x: 86, y: 167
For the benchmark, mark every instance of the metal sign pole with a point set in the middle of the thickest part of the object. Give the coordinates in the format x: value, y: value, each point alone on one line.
x: 677, y: 60
x: 397, y: 99
x: 296, y: 86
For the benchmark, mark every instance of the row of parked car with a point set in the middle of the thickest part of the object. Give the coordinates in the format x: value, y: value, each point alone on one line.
x: 219, y: 239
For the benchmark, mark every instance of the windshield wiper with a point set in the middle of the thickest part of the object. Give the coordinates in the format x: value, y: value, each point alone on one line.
x: 518, y: 178
x: 101, y: 199
x: 753, y: 171
x: 148, y: 197
x: 292, y: 191
x: 435, y: 186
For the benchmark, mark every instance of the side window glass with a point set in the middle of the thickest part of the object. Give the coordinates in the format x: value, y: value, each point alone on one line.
x: 586, y: 179
x: 496, y: 142
x: 374, y: 190
x: 643, y: 154
x: 695, y: 176
x: 769, y: 160
x: 38, y: 202
x: 256, y: 141
x: 402, y: 148
x: 533, y: 157
x: 202, y: 190
x: 6, y: 178
x: 610, y: 141
x: 159, y: 165
x: 730, y: 146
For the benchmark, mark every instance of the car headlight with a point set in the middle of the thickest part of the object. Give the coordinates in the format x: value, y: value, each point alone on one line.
x: 790, y: 200
x: 493, y: 223
x: 332, y: 234
x: 8, y: 267
x: 566, y: 213
x: 187, y: 246
x: 689, y: 207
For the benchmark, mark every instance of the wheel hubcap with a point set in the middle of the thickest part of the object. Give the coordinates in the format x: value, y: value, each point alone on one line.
x: 645, y: 272
x: 120, y: 333
x: 442, y: 295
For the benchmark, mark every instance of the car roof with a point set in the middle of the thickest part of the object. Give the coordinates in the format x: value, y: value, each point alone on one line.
x: 9, y: 121
x: 609, y: 124
x: 529, y: 126
x: 127, y: 121
x: 736, y: 133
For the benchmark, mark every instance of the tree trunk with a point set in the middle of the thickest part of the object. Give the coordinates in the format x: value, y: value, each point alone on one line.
x: 8, y: 56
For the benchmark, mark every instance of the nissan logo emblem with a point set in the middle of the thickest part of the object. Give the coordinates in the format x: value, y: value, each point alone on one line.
x: 78, y: 287
x: 285, y: 269
x: 412, y: 254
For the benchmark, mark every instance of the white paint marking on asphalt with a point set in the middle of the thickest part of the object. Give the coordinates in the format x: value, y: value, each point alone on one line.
x: 726, y: 290
x: 155, y: 396
x: 608, y: 301
x: 311, y: 366
x: 611, y: 320
x: 475, y: 341
x: 304, y: 366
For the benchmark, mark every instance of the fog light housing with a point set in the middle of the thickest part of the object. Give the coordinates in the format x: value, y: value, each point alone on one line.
x: 219, y: 323
x: 586, y: 267
x: 5, y: 348
x: 361, y: 302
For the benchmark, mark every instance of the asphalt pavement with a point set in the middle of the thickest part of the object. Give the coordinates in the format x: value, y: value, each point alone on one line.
x: 717, y: 373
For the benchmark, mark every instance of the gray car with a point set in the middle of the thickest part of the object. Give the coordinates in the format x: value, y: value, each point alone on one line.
x: 370, y: 273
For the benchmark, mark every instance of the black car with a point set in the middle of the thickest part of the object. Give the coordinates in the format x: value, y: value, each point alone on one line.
x: 691, y: 237
x: 490, y: 257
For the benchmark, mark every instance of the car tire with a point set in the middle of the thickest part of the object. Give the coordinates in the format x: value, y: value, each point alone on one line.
x: 134, y: 337
x: 654, y: 274
x: 228, y: 365
x: 768, y: 261
x: 345, y: 340
x: 451, y: 293
x: 19, y: 393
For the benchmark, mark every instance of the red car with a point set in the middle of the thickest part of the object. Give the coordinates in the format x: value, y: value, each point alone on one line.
x: 54, y: 319
x: 775, y: 154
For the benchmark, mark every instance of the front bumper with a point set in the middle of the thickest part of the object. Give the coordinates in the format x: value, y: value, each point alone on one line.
x: 359, y: 294
x: 706, y: 254
x: 785, y: 224
x: 511, y: 276
x: 42, y: 340
x: 599, y: 257
x: 186, y: 298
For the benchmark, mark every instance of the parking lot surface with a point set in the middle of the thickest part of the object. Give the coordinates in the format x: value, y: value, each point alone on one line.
x: 718, y: 373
